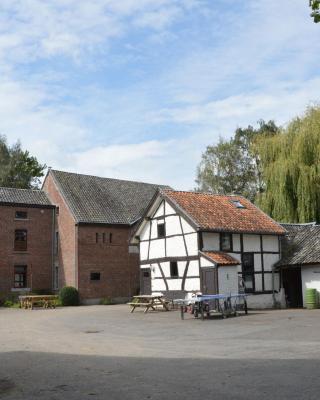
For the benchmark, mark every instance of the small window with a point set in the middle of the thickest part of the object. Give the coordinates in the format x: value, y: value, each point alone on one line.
x: 110, y: 238
x: 161, y: 230
x: 21, y: 215
x: 174, y: 269
x: 20, y: 240
x: 146, y: 274
x: 95, y: 276
x: 237, y: 204
x: 56, y: 244
x: 20, y: 276
x: 225, y: 241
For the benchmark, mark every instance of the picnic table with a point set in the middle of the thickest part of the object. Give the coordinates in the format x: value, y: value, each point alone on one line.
x: 45, y: 301
x: 149, y: 301
x: 224, y: 304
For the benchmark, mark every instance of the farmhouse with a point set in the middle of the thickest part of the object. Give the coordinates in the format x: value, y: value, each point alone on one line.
x: 94, y: 220
x: 193, y: 242
x: 300, y: 263
x: 26, y: 240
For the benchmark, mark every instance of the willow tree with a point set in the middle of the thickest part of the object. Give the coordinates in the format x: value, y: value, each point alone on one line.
x: 291, y: 170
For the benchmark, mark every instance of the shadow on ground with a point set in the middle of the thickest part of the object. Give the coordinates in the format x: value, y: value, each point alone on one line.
x: 29, y: 375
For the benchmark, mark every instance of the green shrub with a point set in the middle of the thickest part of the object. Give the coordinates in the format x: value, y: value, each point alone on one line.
x: 106, y: 301
x: 69, y: 296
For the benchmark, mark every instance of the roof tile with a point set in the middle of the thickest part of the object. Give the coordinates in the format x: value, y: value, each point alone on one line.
x: 221, y: 258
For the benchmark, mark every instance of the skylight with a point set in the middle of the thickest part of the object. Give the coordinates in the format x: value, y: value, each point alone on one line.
x: 237, y: 203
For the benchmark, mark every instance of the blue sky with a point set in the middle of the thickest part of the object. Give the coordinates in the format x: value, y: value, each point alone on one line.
x: 136, y: 89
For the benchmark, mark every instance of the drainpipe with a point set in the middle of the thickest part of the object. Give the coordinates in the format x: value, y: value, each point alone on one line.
x: 273, y: 291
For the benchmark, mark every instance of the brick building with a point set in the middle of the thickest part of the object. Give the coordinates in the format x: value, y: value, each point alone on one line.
x: 26, y: 241
x: 94, y: 220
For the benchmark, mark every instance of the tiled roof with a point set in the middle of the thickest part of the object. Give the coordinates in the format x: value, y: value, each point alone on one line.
x: 220, y: 213
x: 221, y: 258
x: 27, y: 197
x: 94, y: 199
x: 301, y: 245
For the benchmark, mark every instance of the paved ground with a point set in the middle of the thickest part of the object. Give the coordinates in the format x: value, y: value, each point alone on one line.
x: 103, y: 352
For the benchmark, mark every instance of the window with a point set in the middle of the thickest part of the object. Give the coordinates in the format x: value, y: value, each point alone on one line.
x: 110, y: 238
x: 94, y: 276
x: 174, y: 269
x: 20, y: 276
x: 161, y: 230
x: 237, y: 204
x: 225, y: 241
x: 248, y: 271
x: 20, y: 240
x: 21, y: 215
x: 146, y: 274
x: 56, y: 244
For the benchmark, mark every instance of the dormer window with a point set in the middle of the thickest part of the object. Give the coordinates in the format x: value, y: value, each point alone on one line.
x: 237, y: 204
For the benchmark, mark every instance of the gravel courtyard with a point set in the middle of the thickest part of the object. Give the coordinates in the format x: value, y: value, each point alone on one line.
x: 104, y: 352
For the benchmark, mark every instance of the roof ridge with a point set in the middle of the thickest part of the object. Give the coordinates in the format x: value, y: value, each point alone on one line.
x: 112, y: 179
x: 13, y: 188
x: 205, y: 193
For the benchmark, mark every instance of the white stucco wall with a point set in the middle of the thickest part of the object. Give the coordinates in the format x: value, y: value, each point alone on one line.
x: 211, y: 241
x: 310, y: 277
x: 270, y: 243
x: 228, y: 279
x: 251, y: 243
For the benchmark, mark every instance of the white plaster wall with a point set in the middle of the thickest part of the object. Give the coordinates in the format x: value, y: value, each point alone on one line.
x: 310, y: 277
x: 155, y: 271
x: 193, y: 269
x: 268, y: 281
x: 173, y: 226
x: 228, y: 279
x: 257, y: 262
x: 251, y: 243
x: 204, y: 263
x: 192, y: 244
x: 181, y: 267
x: 236, y: 242
x: 187, y: 228
x: 269, y: 260
x: 211, y: 241
x: 157, y: 249
x: 169, y: 209
x: 236, y: 256
x: 154, y: 230
x: 175, y: 247
x: 192, y: 284
x: 270, y: 243
x: 145, y: 231
x: 158, y: 285
x: 166, y: 268
x: 160, y: 211
x: 174, y: 284
x: 258, y: 282
x: 144, y: 250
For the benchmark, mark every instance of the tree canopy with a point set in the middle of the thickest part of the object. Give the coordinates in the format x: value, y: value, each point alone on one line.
x: 315, y: 6
x: 17, y: 167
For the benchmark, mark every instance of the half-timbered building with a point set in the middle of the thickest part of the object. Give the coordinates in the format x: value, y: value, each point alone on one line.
x: 192, y: 242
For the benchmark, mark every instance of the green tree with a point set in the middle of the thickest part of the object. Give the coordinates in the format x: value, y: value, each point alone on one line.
x: 315, y: 6
x: 17, y: 167
x: 233, y: 166
x: 291, y: 170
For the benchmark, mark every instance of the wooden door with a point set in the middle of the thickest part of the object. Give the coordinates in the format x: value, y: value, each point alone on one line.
x: 145, y: 281
x: 210, y: 281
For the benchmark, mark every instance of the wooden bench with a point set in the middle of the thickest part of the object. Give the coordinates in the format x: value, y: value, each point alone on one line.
x: 45, y: 301
x: 149, y: 301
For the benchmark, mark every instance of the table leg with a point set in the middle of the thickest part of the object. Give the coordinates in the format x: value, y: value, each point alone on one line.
x: 182, y: 312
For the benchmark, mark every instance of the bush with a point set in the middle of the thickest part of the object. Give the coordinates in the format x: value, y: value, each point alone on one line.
x: 106, y: 301
x: 69, y: 296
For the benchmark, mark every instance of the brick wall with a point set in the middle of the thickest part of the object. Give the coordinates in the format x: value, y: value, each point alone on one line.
x: 66, y: 259
x: 37, y: 257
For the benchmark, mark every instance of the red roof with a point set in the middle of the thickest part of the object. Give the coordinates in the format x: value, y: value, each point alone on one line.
x: 221, y: 258
x: 222, y: 213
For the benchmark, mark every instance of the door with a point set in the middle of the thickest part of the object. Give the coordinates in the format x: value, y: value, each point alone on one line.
x: 209, y: 281
x: 248, y: 272
x: 145, y: 280
x: 293, y: 287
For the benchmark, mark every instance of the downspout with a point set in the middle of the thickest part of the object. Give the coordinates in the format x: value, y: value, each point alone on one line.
x: 273, y: 291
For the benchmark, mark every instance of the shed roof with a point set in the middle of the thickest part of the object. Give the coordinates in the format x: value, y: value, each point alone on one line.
x: 229, y: 213
x: 301, y: 245
x: 94, y: 199
x: 220, y: 258
x: 24, y: 197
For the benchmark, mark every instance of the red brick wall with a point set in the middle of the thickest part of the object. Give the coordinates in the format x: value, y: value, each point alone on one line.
x: 37, y: 258
x: 65, y: 225
x: 119, y: 270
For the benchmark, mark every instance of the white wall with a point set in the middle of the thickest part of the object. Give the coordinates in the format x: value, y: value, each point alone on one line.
x: 211, y: 241
x: 251, y: 243
x: 228, y: 279
x: 310, y: 277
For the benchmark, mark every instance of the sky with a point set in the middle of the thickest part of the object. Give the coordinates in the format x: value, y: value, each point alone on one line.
x: 136, y: 89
